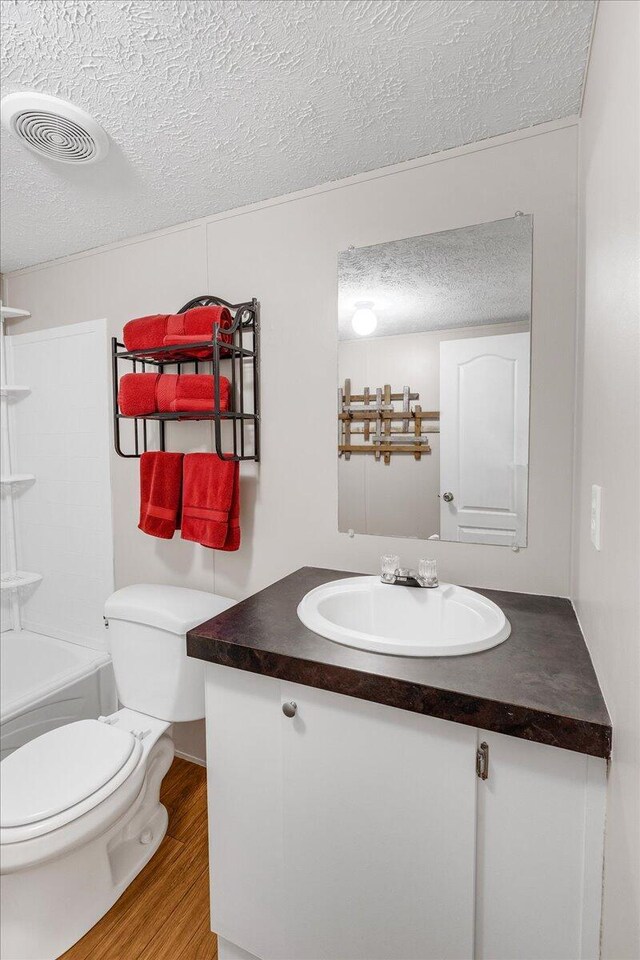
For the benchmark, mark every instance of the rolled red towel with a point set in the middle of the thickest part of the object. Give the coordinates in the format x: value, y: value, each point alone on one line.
x: 196, y: 325
x: 145, y: 332
x: 160, y: 493
x: 141, y: 394
x: 211, y: 501
x: 179, y: 329
x: 137, y: 394
x: 190, y: 391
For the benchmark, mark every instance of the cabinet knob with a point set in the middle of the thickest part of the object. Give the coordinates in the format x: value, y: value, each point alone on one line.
x: 290, y: 708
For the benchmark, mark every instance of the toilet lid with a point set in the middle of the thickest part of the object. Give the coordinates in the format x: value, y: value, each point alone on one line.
x: 59, y: 769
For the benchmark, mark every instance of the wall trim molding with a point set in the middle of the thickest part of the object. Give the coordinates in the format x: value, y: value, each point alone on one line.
x: 405, y: 166
x: 191, y: 759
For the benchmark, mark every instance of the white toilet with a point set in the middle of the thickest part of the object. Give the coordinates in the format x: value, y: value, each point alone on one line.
x: 80, y: 813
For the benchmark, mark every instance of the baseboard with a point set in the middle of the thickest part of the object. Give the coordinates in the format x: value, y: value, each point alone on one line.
x: 230, y: 951
x: 187, y: 756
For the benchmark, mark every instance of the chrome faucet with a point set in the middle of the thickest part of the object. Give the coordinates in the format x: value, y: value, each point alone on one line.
x: 425, y: 576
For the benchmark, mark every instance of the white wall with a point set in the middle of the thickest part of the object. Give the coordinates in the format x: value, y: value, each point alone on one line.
x: 285, y: 253
x: 606, y: 584
x: 401, y: 498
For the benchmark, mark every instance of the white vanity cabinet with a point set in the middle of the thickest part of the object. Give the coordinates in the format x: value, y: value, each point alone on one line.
x: 539, y: 851
x: 356, y: 831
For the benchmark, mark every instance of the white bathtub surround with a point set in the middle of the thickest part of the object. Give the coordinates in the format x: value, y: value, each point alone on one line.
x: 56, y: 532
x: 60, y: 434
x: 46, y: 682
x: 12, y: 578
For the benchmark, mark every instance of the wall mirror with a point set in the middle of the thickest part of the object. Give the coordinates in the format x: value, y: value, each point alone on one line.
x: 433, y: 385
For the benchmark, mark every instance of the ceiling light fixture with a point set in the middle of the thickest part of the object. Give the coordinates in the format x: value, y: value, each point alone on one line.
x: 364, y: 320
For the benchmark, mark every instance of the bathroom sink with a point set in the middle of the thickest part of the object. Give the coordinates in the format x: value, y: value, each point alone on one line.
x: 365, y: 613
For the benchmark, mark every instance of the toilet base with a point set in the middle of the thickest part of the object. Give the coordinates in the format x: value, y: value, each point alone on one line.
x: 48, y: 907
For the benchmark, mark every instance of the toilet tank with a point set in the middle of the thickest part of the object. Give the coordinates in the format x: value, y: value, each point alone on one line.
x: 147, y: 624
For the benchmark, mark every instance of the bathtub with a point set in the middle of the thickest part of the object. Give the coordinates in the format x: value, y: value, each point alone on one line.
x: 45, y: 683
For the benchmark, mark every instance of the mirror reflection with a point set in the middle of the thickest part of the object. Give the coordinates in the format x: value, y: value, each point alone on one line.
x: 433, y: 385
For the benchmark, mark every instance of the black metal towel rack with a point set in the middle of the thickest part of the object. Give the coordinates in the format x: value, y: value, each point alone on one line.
x: 229, y: 357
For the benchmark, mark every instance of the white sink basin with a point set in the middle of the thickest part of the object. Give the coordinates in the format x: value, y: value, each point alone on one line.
x: 365, y: 613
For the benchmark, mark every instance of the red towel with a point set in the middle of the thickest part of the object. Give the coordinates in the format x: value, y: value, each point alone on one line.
x: 211, y: 501
x: 160, y: 493
x: 196, y: 325
x: 180, y: 329
x: 141, y: 394
x: 232, y: 540
x: 145, y: 332
x: 137, y: 394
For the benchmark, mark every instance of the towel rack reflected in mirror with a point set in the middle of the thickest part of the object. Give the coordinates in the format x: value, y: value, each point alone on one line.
x: 233, y: 352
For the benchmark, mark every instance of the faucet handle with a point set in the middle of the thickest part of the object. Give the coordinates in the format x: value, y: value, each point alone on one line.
x: 428, y: 572
x: 389, y: 564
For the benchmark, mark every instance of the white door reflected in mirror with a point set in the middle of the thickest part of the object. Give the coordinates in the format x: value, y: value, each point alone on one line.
x: 484, y: 438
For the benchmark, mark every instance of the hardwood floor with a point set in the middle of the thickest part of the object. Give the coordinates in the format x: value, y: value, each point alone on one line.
x: 164, y: 913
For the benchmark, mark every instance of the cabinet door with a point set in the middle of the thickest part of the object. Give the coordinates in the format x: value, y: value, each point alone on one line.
x: 540, y: 836
x: 379, y: 831
x: 244, y: 790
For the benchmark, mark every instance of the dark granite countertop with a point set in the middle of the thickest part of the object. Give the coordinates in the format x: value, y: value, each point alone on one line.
x: 539, y: 685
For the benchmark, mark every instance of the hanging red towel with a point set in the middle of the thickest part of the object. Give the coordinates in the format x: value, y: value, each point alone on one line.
x: 181, y: 329
x: 160, y: 493
x: 232, y: 540
x: 141, y: 394
x: 211, y: 501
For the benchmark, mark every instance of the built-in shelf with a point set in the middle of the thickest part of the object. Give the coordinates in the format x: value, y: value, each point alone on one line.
x: 13, y: 581
x: 9, y: 390
x: 11, y: 313
x: 17, y: 478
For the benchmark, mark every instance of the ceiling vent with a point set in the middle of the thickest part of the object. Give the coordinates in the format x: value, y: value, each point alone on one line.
x: 54, y: 128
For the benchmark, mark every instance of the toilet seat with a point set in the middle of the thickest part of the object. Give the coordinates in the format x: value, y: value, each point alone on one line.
x: 63, y: 774
x: 59, y: 769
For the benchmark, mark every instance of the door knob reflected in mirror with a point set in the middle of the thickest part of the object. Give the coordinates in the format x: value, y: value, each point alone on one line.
x: 447, y: 497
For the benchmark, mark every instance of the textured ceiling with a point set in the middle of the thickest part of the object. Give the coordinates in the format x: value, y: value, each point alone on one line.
x: 210, y: 105
x: 457, y: 278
